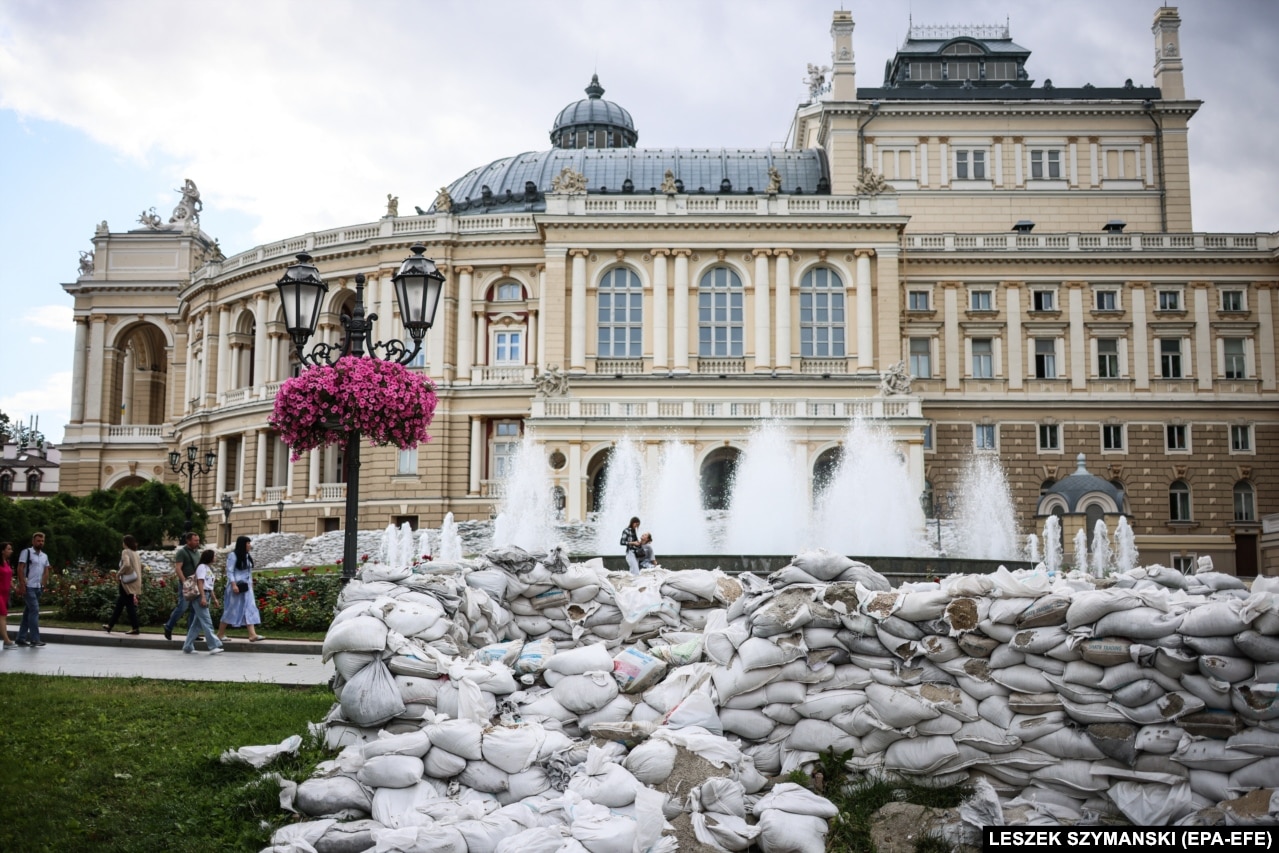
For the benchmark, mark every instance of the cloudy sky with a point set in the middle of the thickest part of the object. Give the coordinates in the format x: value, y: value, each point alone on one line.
x: 299, y: 116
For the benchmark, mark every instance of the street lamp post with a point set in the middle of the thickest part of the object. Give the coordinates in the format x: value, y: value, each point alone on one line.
x: 418, y: 285
x: 191, y: 467
x: 279, y: 516
x: 228, y: 504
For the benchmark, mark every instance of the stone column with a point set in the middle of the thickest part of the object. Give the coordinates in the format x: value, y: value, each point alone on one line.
x: 577, y: 312
x: 482, y: 338
x: 465, y: 326
x: 763, y: 358
x: 952, y: 343
x: 224, y: 349
x: 436, y: 339
x: 259, y: 471
x: 1140, y: 339
x: 1078, y: 352
x: 680, y: 343
x: 542, y: 314
x: 97, y: 357
x: 78, y: 367
x: 274, y: 371
x: 1266, y: 334
x: 313, y: 473
x: 576, y: 509
x: 1203, y: 367
x: 531, y: 352
x: 477, y: 456
x: 1016, y: 365
x: 783, y: 355
x: 291, y: 473
x: 259, y: 341
x: 239, y: 471
x: 128, y: 373
x: 865, y: 312
x: 219, y: 478
x: 661, y: 339
x: 189, y: 375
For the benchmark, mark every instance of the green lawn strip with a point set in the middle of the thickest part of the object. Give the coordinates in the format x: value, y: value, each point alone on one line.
x: 132, y: 764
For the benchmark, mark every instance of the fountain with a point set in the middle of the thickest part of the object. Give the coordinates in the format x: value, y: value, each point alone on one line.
x: 1032, y: 548
x: 450, y: 542
x: 1126, y: 555
x: 528, y: 515
x: 987, y: 523
x: 674, y: 509
x: 1081, y: 551
x: 768, y: 510
x: 623, y: 496
x: 1101, y: 553
x: 1052, y: 544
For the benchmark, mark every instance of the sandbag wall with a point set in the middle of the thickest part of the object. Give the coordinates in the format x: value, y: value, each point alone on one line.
x: 468, y: 696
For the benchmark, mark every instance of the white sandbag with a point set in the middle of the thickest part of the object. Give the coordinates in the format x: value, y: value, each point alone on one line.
x: 759, y: 652
x: 820, y: 736
x: 320, y: 796
x: 534, y: 656
x: 1139, y: 623
x: 460, y: 737
x: 1257, y: 702
x: 1166, y: 708
x: 1044, y: 612
x: 783, y: 832
x: 602, y: 781
x: 1260, y: 773
x: 696, y: 711
x: 419, y: 691
x: 1215, y: 619
x: 1257, y: 741
x: 822, y: 564
x: 1030, y: 728
x: 1038, y: 641
x: 1257, y: 646
x: 584, y: 694
x: 591, y: 658
x: 1213, y: 755
x: 439, y: 763
x: 920, y: 755
x: 1021, y: 679
x: 1064, y: 742
x: 1020, y: 584
x: 652, y: 762
x: 897, y: 707
x: 721, y: 638
x: 540, y: 839
x: 1151, y: 805
x: 260, y: 756
x: 348, y: 664
x: 939, y: 649
x: 1138, y: 693
x: 603, y: 832
x: 484, y: 777
x: 827, y: 703
x: 1034, y: 703
x: 390, y: 771
x: 512, y: 749
x: 751, y: 725
x: 1228, y: 669
x: 922, y: 606
x: 1210, y: 785
x: 976, y: 645
x: 986, y: 736
x: 635, y: 671
x: 506, y: 653
x: 723, y: 832
x: 409, y: 617
x: 359, y: 634
x: 1005, y: 655
x: 794, y: 799
x: 1159, y: 739
x: 614, y: 712
x: 700, y: 584
x: 371, y: 696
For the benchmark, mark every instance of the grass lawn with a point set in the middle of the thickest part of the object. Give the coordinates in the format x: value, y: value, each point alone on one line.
x: 132, y: 764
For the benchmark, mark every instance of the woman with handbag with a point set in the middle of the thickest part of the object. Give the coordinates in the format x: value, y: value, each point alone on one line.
x: 129, y: 581
x: 241, y: 608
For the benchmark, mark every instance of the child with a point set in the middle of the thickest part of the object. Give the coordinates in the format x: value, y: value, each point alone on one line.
x: 202, y: 623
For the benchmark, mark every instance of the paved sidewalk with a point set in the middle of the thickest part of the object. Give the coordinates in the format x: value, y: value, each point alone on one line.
x: 97, y: 654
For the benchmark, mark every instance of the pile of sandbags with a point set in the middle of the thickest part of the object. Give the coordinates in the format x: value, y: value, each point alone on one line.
x: 526, y: 697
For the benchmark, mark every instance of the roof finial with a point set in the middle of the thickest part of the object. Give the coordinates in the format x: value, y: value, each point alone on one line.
x: 595, y: 90
x: 1079, y: 464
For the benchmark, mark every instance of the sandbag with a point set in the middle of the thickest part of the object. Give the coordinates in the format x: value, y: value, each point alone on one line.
x: 371, y: 696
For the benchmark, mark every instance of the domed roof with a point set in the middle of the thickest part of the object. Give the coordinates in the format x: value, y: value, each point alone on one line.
x: 1079, y: 485
x: 594, y: 113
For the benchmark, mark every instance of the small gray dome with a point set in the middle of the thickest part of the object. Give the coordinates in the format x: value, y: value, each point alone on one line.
x: 1081, y: 483
x: 593, y: 122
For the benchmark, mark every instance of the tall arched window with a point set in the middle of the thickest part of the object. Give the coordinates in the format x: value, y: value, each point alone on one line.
x: 720, y: 314
x: 33, y: 483
x: 621, y: 315
x: 1179, y: 501
x: 1245, y: 505
x: 6, y: 483
x: 821, y: 314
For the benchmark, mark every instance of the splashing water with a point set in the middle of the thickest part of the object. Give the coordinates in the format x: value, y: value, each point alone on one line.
x: 1081, y: 551
x: 1101, y: 553
x: 987, y: 522
x: 1032, y: 547
x: 768, y: 513
x: 1052, y: 544
x: 623, y: 496
x: 678, y: 520
x: 1126, y: 554
x: 450, y: 541
x: 527, y: 504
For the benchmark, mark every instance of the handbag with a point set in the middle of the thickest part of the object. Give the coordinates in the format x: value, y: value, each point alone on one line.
x: 190, y: 589
x: 241, y: 587
x: 129, y: 578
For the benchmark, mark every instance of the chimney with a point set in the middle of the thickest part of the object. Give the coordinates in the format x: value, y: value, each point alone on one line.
x: 1168, y: 65
x: 843, y: 86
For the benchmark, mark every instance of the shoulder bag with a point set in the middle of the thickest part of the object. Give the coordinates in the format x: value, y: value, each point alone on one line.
x: 190, y: 589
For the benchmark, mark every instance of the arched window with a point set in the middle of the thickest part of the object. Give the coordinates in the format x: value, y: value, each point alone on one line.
x: 824, y: 469
x: 6, y: 483
x: 1245, y: 505
x: 1179, y: 501
x: 508, y: 291
x: 33, y: 483
x: 1046, y: 485
x: 720, y: 314
x: 621, y: 315
x: 717, y: 477
x: 821, y: 314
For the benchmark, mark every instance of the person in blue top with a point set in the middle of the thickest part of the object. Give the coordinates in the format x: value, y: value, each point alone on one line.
x: 241, y: 608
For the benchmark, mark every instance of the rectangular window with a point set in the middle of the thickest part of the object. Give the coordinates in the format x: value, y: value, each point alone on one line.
x: 1045, y: 164
x: 983, y: 358
x: 1170, y: 300
x: 1245, y: 510
x: 928, y: 436
x: 1184, y: 563
x: 1107, y: 300
x: 1170, y: 358
x: 506, y: 441
x: 1045, y: 358
x: 1049, y: 437
x: 1176, y: 437
x: 1108, y: 358
x: 507, y: 348
x: 921, y: 361
x: 1241, y: 439
x: 970, y: 164
x: 1112, y: 437
x: 1043, y: 300
x: 1236, y: 366
x: 917, y: 300
x: 984, y: 436
x: 981, y: 300
x: 1179, y: 503
x: 1232, y: 300
x: 406, y: 462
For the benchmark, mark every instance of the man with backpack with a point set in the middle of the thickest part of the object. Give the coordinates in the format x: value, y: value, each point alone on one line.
x: 185, y: 561
x: 33, y: 573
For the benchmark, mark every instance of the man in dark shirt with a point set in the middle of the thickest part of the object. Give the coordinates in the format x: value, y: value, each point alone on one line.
x: 185, y: 559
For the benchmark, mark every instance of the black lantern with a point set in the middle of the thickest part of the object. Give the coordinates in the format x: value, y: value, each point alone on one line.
x: 417, y: 288
x: 227, y: 505
x: 191, y: 467
x: 302, y: 295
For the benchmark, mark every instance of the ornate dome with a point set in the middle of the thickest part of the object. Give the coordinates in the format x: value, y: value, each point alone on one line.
x: 1073, y: 491
x: 593, y: 123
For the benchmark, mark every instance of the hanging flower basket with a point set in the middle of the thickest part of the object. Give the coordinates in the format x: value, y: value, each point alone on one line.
x: 379, y: 399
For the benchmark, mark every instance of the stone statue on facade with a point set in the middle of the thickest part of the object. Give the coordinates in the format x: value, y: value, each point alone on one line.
x: 895, y: 380
x: 189, y: 207
x: 872, y: 183
x: 668, y: 183
x: 774, y: 181
x: 816, y: 79
x: 86, y: 264
x: 569, y: 182
x: 151, y: 220
x: 551, y: 382
x: 444, y: 201
x: 392, y: 205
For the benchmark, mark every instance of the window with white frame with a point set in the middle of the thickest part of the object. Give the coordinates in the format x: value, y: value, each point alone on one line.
x: 1176, y: 438
x: 1234, y: 358
x: 1045, y: 164
x: 1108, y: 358
x: 981, y: 300
x: 921, y: 358
x: 1049, y: 437
x: 1112, y: 436
x: 406, y: 462
x: 983, y: 358
x: 821, y: 314
x: 1179, y: 501
x: 1170, y: 300
x: 970, y: 164
x: 1122, y: 164
x: 621, y: 315
x: 1233, y: 301
x: 720, y: 314
x: 917, y: 300
x: 897, y: 164
x: 508, y: 291
x: 1043, y: 300
x: 1106, y: 300
x: 1240, y: 438
x: 505, y: 444
x: 1245, y: 502
x: 928, y: 436
x: 1045, y: 358
x: 1170, y: 358
x: 1184, y: 563
x: 984, y: 436
x: 508, y: 347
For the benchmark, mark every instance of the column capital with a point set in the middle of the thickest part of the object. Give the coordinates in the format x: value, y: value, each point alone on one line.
x: 1201, y: 285
x: 1076, y: 285
x: 1013, y: 285
x: 463, y: 269
x: 783, y: 253
x: 539, y: 268
x: 1138, y: 285
x: 1265, y: 285
x: 226, y: 306
x: 97, y: 318
x: 761, y: 253
x: 83, y: 319
x: 443, y: 269
x: 659, y: 252
x: 863, y: 253
x: 261, y: 295
x: 682, y: 253
x: 950, y: 285
x: 579, y: 253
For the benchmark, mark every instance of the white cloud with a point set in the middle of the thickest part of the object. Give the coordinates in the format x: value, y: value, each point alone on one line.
x: 58, y: 317
x: 35, y: 339
x: 50, y: 402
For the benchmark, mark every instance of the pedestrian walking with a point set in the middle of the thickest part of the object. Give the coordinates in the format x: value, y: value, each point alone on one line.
x: 6, y: 589
x: 33, y: 574
x: 185, y: 559
x: 241, y: 608
x: 201, y: 623
x: 630, y: 541
x: 129, y: 587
